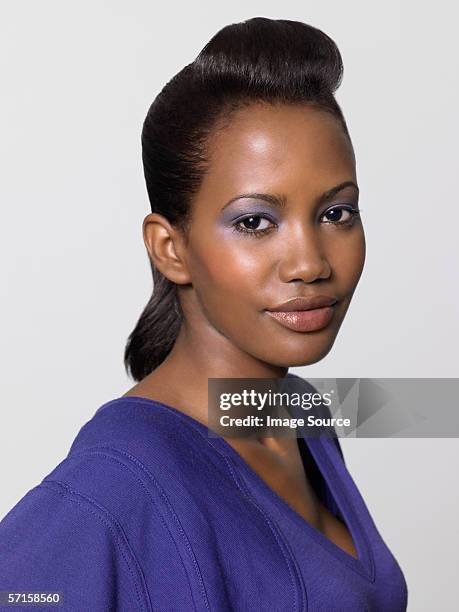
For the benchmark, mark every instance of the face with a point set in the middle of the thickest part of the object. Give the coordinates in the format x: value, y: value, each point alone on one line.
x: 274, y: 219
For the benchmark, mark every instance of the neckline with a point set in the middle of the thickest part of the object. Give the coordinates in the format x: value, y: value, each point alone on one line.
x: 363, y: 563
x: 320, y: 448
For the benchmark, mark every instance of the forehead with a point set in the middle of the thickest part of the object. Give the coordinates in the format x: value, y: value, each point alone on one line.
x: 286, y: 148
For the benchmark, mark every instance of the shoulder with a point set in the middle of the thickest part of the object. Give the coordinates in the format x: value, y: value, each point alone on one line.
x: 134, y: 449
x: 129, y: 457
x: 141, y: 437
x: 54, y: 538
x: 83, y: 528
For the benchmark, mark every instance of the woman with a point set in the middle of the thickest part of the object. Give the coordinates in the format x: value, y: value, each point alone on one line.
x: 251, y: 177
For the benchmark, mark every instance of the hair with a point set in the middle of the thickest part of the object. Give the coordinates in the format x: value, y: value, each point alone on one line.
x: 258, y: 60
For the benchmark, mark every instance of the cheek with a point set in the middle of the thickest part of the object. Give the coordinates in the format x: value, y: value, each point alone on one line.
x: 348, y: 259
x: 229, y: 269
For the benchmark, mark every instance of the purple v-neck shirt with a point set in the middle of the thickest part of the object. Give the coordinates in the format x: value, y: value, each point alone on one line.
x: 147, y: 512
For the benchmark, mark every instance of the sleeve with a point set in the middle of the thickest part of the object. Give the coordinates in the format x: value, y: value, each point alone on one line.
x: 57, y: 540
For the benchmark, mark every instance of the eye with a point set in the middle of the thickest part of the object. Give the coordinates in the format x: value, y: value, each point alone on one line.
x: 252, y: 225
x: 341, y: 215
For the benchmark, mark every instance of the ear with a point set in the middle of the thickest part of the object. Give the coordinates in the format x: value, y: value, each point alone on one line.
x: 166, y: 247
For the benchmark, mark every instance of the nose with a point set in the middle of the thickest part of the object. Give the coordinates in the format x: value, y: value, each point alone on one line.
x: 303, y: 258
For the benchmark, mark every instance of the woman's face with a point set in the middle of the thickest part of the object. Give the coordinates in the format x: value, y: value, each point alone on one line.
x: 306, y: 245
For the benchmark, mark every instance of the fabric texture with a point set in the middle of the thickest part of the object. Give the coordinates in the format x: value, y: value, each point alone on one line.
x: 147, y: 512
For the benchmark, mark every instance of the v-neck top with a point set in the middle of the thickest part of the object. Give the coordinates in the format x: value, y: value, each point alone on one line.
x: 147, y: 512
x: 334, y: 579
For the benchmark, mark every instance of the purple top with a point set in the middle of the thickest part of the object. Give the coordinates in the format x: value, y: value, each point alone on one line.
x: 147, y: 512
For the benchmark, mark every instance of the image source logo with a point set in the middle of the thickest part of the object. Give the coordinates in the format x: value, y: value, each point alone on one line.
x: 339, y: 407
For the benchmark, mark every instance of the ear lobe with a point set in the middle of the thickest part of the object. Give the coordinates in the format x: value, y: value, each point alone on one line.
x: 165, y: 247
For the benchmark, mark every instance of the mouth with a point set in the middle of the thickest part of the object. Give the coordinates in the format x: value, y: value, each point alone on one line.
x: 302, y: 320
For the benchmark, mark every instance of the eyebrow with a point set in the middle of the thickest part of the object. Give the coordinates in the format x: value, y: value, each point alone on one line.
x: 281, y: 201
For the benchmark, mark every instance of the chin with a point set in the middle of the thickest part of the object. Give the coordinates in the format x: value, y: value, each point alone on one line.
x: 295, y: 358
x: 307, y: 348
x: 310, y: 359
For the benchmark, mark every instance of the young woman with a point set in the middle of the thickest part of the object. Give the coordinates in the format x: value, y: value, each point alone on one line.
x: 251, y: 177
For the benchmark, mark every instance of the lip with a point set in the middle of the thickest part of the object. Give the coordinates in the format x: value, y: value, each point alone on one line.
x: 304, y: 303
x: 305, y: 314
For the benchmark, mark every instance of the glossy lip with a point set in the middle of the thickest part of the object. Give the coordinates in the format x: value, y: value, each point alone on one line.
x: 305, y: 314
x: 304, y: 303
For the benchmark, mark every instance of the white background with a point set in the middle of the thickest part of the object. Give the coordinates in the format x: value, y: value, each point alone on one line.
x: 77, y: 79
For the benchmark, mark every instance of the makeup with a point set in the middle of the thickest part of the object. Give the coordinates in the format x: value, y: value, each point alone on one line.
x: 304, y: 320
x: 305, y: 313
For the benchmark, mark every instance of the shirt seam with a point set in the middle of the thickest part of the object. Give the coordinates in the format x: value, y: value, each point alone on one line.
x: 276, y: 532
x: 347, y: 500
x: 99, y: 450
x: 114, y: 528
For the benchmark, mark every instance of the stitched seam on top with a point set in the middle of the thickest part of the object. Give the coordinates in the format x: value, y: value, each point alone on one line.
x: 250, y: 498
x: 71, y: 495
x: 348, y: 501
x: 97, y: 450
x: 275, y: 530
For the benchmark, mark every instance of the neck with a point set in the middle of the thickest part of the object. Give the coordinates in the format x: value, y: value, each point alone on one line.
x: 181, y: 380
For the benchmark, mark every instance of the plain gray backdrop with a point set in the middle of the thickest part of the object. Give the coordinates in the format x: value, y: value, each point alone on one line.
x: 77, y: 79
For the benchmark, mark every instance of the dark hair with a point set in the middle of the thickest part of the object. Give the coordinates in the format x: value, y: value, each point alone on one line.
x: 274, y: 61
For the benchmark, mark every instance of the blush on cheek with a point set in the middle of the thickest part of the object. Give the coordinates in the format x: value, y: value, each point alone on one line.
x: 230, y: 259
